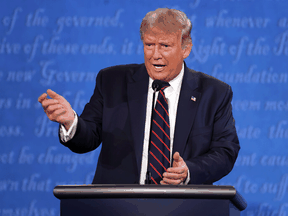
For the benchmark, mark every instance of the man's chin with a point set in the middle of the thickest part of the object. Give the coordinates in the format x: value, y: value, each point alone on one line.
x: 159, y: 75
x: 162, y: 77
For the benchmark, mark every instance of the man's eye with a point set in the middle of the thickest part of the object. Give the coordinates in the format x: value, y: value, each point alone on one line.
x: 165, y: 45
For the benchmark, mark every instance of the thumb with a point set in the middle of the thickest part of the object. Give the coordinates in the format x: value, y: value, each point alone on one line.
x: 177, y: 157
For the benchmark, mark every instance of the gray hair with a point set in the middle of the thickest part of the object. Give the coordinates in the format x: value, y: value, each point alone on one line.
x: 168, y: 20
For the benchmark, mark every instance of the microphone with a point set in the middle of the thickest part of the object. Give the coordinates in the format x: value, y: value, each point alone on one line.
x: 156, y: 86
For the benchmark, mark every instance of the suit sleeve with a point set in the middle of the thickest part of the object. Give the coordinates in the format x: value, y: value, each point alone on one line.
x: 88, y: 135
x: 219, y: 160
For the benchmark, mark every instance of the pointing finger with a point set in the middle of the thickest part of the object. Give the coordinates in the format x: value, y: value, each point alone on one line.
x: 53, y: 94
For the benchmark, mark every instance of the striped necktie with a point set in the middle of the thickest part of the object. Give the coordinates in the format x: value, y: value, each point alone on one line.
x: 159, y: 154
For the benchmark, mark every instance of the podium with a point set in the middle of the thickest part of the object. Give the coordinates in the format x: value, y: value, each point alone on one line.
x: 202, y: 200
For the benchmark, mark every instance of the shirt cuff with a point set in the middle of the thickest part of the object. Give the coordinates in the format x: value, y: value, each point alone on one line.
x: 65, y: 135
x: 188, y: 178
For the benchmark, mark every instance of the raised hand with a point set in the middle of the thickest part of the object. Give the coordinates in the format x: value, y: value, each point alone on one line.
x: 177, y: 173
x: 57, y: 108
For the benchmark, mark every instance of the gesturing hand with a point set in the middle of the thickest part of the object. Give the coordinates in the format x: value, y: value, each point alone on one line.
x: 57, y: 109
x: 177, y: 173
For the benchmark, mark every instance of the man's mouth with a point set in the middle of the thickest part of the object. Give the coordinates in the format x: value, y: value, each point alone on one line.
x: 159, y: 66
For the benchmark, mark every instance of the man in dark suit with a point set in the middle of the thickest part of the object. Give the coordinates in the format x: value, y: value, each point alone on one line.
x: 203, y: 145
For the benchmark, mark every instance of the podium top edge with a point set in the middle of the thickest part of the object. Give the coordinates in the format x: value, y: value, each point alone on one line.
x: 108, y: 190
x: 144, y: 186
x: 103, y: 191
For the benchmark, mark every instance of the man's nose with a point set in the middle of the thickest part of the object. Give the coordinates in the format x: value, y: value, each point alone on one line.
x: 157, y: 53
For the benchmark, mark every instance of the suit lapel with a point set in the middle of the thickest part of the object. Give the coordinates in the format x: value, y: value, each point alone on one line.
x: 137, y: 91
x: 186, y: 110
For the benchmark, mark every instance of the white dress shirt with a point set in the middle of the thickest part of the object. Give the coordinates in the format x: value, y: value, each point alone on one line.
x: 172, y: 93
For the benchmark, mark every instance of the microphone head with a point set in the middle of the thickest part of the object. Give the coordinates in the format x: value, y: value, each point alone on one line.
x: 157, y: 85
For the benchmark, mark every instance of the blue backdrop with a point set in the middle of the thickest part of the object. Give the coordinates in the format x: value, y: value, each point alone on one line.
x: 63, y: 44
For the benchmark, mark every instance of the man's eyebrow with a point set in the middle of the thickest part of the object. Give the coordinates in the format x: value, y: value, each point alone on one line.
x: 148, y: 42
x: 166, y: 42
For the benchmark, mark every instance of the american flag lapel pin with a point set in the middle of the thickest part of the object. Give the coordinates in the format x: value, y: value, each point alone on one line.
x: 193, y: 98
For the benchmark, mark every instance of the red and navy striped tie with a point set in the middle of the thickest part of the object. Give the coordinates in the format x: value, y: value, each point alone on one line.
x: 159, y: 154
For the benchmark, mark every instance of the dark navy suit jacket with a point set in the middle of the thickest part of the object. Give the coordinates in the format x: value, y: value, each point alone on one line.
x: 205, y: 134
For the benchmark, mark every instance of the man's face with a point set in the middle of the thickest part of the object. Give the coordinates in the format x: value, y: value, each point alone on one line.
x: 163, y: 54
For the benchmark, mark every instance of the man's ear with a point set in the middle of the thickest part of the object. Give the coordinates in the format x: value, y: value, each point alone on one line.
x: 187, y: 49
